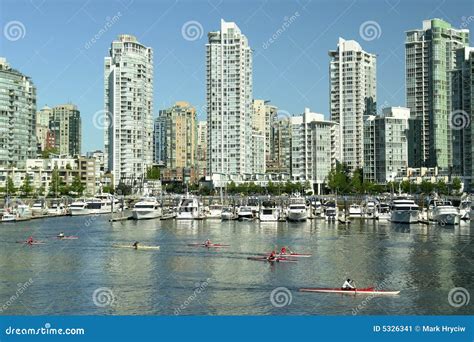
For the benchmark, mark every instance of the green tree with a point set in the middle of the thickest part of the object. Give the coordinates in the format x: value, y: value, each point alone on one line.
x: 456, y: 185
x: 77, y: 186
x: 356, y: 182
x: 26, y: 187
x: 426, y: 187
x: 441, y: 187
x: 56, y: 182
x: 48, y: 151
x: 406, y: 186
x: 123, y: 189
x: 153, y: 172
x: 40, y: 191
x: 10, y: 187
x: 338, y: 179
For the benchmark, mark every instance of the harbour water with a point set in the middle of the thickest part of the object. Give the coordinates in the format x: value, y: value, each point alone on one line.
x: 89, y: 276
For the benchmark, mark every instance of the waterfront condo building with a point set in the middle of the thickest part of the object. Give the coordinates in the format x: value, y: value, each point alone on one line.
x: 263, y: 116
x: 201, y: 148
x: 175, y: 136
x: 352, y: 97
x: 314, y: 148
x: 386, y: 145
x: 17, y: 117
x: 44, y: 137
x: 229, y: 103
x: 128, y: 83
x: 430, y: 56
x: 280, y: 146
x: 65, y: 125
x: 462, y: 79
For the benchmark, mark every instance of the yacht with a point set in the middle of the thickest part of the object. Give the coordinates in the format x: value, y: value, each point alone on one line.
x: 404, y: 210
x: 39, y: 208
x: 189, y: 208
x: 103, y: 204
x: 371, y: 209
x: 228, y: 213
x: 245, y: 213
x: 76, y: 208
x: 384, y: 212
x: 443, y: 212
x: 214, y: 212
x: 23, y: 211
x: 318, y: 209
x: 57, y: 208
x: 465, y: 209
x: 297, y: 210
x: 331, y: 211
x: 147, y: 208
x: 8, y: 217
x: 254, y: 205
x: 355, y: 211
x: 269, y: 212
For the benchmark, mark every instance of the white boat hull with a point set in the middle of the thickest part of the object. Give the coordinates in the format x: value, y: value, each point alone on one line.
x: 405, y: 216
x: 146, y: 214
x: 297, y: 216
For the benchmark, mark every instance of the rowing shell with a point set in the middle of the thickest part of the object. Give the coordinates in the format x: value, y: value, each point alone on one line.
x: 369, y: 290
x: 67, y: 237
x: 33, y: 243
x: 138, y: 247
x: 295, y: 255
x: 277, y: 259
x: 212, y: 245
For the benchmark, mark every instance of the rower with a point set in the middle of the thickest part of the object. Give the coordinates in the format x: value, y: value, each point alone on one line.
x: 272, y: 256
x: 61, y: 235
x: 135, y: 245
x: 348, y: 285
x: 207, y: 243
x: 30, y: 240
x: 283, y: 250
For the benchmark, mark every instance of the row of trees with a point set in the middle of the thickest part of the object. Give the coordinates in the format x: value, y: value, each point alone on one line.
x: 340, y: 180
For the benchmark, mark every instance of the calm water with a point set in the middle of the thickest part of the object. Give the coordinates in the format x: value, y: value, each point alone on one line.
x: 424, y: 262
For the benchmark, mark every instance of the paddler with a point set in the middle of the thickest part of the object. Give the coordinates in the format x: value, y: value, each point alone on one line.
x: 348, y: 285
x: 272, y: 256
x: 207, y: 243
x: 30, y: 240
x: 61, y: 235
x: 135, y: 245
x: 283, y: 250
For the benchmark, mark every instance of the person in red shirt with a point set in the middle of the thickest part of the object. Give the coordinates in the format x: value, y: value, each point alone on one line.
x: 272, y: 256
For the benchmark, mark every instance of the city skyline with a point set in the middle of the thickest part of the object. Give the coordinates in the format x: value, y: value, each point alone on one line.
x: 73, y: 74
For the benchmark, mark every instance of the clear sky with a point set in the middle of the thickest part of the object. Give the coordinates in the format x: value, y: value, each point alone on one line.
x: 50, y: 41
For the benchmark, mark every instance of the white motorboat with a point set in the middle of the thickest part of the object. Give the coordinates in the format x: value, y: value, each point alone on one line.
x: 269, y: 212
x: 245, y: 213
x: 443, y: 212
x: 57, y: 208
x: 318, y: 209
x: 8, y: 217
x: 371, y: 209
x: 254, y: 204
x: 23, y: 211
x: 228, y: 213
x: 76, y: 208
x: 39, y: 208
x: 384, y: 213
x: 465, y: 209
x: 189, y: 208
x: 297, y: 210
x: 404, y: 210
x: 355, y: 211
x: 147, y: 208
x: 214, y: 212
x: 331, y: 212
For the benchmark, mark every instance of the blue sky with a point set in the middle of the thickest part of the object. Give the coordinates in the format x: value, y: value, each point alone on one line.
x: 292, y: 71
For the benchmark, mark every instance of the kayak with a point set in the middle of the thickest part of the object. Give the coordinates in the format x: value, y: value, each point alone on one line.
x: 212, y: 245
x: 277, y: 259
x: 33, y: 243
x: 67, y: 237
x: 138, y: 247
x: 295, y: 255
x: 368, y: 290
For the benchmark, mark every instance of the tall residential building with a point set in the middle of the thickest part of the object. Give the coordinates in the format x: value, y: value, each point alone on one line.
x: 17, y: 117
x: 263, y: 116
x: 352, y: 97
x: 386, y: 145
x: 65, y: 125
x: 128, y: 83
x: 314, y: 148
x: 44, y: 138
x: 229, y: 102
x: 176, y: 136
x: 280, y: 147
x: 462, y: 115
x: 258, y: 152
x: 201, y: 149
x: 429, y: 56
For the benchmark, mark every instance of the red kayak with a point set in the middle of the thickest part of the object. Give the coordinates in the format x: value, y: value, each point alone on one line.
x: 211, y: 245
x: 295, y: 255
x: 277, y: 259
x: 367, y: 290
